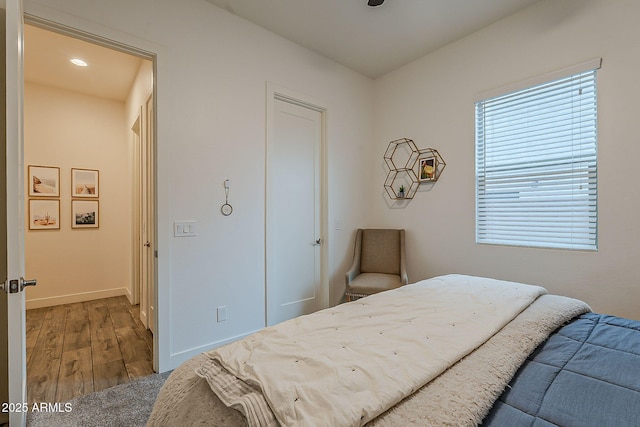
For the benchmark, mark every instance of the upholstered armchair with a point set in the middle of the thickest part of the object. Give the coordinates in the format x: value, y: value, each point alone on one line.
x: 378, y: 263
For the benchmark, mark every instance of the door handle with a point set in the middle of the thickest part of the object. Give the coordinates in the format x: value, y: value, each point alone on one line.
x: 24, y: 283
x: 147, y: 244
x: 16, y: 286
x: 318, y: 242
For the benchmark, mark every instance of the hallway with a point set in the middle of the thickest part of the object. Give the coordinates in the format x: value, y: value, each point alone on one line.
x: 76, y: 349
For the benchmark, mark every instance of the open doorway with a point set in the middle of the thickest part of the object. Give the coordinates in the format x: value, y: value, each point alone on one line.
x: 82, y: 158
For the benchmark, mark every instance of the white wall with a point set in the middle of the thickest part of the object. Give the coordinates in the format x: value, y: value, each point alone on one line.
x: 212, y: 73
x: 70, y: 130
x: 139, y: 93
x: 432, y: 102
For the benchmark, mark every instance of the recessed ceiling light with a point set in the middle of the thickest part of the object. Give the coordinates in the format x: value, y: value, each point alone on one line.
x: 79, y: 62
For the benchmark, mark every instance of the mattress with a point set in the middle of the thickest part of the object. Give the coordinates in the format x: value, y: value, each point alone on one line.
x: 462, y: 395
x: 586, y: 374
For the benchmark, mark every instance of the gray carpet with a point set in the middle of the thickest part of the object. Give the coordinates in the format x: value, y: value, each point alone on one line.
x: 127, y: 405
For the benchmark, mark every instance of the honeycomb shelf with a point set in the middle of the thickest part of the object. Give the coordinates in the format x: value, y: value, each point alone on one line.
x: 438, y: 165
x: 409, y: 167
x: 401, y: 177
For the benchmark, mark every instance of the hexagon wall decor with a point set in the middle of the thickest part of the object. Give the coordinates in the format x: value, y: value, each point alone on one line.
x: 409, y: 167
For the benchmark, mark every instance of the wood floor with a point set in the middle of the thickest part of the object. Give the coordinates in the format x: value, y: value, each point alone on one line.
x: 76, y: 349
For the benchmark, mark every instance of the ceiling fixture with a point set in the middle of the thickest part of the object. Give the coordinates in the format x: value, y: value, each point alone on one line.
x: 79, y: 62
x: 374, y: 3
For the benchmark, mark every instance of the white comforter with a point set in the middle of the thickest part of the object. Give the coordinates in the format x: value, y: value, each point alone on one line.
x: 348, y: 364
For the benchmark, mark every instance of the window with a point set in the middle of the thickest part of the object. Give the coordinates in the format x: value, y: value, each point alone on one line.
x: 536, y: 165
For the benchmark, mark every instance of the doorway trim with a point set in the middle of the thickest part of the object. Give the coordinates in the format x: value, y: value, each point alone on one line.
x: 160, y: 359
x: 275, y: 92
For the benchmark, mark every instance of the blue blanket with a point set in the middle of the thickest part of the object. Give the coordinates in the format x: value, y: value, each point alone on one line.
x: 586, y: 374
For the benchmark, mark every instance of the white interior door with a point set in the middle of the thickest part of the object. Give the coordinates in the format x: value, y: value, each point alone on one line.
x: 15, y: 210
x: 146, y: 216
x: 4, y: 329
x: 294, y: 239
x: 138, y: 223
x: 148, y: 267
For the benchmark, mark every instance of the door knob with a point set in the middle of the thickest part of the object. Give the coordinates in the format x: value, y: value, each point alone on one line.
x: 147, y: 244
x: 24, y: 283
x: 318, y: 242
x: 16, y: 285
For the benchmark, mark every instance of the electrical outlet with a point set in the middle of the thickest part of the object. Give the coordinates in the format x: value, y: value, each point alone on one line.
x: 222, y: 313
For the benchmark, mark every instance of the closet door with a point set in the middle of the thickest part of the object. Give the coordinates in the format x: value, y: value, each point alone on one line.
x: 294, y: 240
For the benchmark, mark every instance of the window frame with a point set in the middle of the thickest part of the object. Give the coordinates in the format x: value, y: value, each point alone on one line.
x: 545, y: 231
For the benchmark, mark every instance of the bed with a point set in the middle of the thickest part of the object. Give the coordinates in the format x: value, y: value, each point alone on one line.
x: 453, y: 350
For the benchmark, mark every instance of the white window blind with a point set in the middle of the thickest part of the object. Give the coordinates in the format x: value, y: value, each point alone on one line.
x: 536, y: 165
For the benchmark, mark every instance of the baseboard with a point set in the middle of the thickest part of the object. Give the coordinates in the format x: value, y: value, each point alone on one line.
x: 129, y: 295
x: 180, y: 357
x: 71, y: 298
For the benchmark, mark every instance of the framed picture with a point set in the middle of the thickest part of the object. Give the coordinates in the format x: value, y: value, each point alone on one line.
x: 84, y: 182
x: 44, y: 181
x: 44, y: 214
x: 84, y: 214
x: 427, y: 171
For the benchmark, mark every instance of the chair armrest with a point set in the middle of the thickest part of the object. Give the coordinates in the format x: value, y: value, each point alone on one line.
x: 352, y: 274
x: 354, y: 270
x: 404, y: 279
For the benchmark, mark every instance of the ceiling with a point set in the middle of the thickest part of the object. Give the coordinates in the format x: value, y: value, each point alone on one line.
x: 373, y: 40
x: 369, y: 40
x: 110, y: 74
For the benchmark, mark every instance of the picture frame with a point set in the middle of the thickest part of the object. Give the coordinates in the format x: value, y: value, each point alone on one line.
x: 427, y: 169
x: 44, y: 214
x: 85, y: 183
x: 85, y: 214
x: 44, y: 181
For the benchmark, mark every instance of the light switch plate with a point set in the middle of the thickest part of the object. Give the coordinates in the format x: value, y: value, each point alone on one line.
x: 185, y: 228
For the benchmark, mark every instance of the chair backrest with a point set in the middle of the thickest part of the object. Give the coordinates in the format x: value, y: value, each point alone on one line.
x: 380, y: 251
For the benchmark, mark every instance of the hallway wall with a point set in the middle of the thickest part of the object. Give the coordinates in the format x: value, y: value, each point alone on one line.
x: 70, y: 130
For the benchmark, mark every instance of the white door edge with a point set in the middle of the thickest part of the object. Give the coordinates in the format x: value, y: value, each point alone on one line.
x: 15, y: 209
